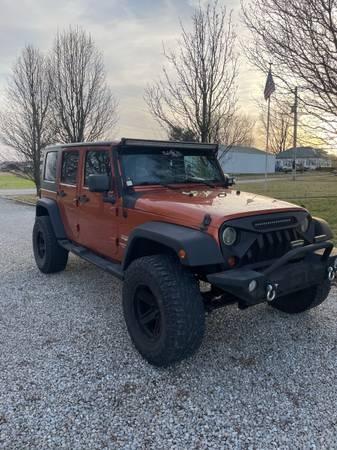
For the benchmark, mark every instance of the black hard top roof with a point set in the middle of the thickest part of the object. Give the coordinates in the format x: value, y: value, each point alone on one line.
x: 130, y: 142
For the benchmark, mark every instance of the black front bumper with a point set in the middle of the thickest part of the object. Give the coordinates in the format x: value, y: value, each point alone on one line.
x: 298, y: 269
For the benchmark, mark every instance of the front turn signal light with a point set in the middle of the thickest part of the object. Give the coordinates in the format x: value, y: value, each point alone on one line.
x: 182, y: 254
x: 231, y: 261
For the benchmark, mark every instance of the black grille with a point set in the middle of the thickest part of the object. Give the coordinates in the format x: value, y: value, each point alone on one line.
x: 270, y: 245
x: 274, y: 223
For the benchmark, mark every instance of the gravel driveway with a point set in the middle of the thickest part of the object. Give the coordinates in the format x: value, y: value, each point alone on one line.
x: 70, y: 378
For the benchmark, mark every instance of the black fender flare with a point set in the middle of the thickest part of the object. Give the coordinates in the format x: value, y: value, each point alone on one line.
x: 50, y: 205
x: 322, y: 227
x: 201, y: 249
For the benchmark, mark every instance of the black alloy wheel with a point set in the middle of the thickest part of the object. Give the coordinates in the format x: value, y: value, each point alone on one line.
x: 147, y: 313
x: 40, y: 244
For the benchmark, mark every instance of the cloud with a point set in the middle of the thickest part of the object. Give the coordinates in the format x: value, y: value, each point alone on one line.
x: 129, y: 33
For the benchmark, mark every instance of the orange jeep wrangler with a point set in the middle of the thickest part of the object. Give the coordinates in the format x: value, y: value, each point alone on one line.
x: 162, y: 217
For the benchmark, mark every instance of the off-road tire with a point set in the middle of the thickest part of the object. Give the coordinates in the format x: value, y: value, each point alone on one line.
x: 54, y: 258
x: 182, y: 315
x: 303, y: 300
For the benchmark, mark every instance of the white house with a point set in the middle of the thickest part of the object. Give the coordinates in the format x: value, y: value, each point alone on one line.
x: 239, y: 159
x: 306, y: 157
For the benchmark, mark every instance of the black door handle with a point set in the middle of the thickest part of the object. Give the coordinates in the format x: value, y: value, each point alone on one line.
x: 83, y: 199
x: 61, y: 193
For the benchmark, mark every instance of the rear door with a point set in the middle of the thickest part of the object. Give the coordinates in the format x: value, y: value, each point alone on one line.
x: 68, y: 191
x: 97, y: 219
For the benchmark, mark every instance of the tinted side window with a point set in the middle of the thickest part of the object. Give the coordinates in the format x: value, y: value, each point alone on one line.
x: 96, y: 163
x: 50, y: 166
x: 69, y: 167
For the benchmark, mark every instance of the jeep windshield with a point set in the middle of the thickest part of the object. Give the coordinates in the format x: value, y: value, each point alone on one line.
x: 147, y: 166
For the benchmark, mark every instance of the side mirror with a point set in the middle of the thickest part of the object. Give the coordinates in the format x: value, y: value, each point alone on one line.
x: 99, y: 183
x: 230, y: 181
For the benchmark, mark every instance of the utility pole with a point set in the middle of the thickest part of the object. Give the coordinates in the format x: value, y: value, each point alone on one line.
x: 294, y: 110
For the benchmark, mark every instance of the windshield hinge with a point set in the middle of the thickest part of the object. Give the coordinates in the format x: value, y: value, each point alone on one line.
x: 205, y: 222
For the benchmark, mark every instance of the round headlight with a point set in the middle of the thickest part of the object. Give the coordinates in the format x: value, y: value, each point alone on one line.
x: 229, y: 236
x: 305, y: 225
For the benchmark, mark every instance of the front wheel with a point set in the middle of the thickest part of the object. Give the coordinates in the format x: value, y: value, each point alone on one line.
x: 163, y: 309
x: 298, y: 302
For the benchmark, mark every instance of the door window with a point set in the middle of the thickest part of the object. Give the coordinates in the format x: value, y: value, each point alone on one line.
x: 69, y: 167
x: 50, y: 167
x: 96, y: 163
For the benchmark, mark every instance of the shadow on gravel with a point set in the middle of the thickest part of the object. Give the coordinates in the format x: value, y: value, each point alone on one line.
x: 258, y: 338
x: 83, y: 308
x: 71, y: 371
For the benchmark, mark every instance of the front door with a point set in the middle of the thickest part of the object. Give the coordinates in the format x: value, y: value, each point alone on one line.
x: 97, y: 219
x: 67, y: 192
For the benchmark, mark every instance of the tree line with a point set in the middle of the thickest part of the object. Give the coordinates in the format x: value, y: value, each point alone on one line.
x: 299, y: 37
x: 63, y: 96
x: 59, y: 97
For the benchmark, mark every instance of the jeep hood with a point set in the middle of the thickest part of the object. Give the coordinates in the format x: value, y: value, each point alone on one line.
x: 189, y: 206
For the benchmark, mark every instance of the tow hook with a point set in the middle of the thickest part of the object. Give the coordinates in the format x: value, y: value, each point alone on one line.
x: 331, y: 273
x: 271, y: 292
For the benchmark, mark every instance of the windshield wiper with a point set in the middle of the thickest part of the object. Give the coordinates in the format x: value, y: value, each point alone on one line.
x: 198, y: 181
x: 153, y: 183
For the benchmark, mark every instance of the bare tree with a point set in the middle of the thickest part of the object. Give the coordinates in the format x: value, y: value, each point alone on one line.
x: 24, y: 119
x: 83, y: 106
x: 237, y: 129
x: 197, y: 89
x: 181, y: 134
x: 300, y: 37
x: 280, y: 134
x: 281, y: 123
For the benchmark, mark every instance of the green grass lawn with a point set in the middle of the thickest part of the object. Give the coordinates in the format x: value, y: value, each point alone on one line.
x: 318, y: 194
x: 281, y: 175
x: 10, y: 181
x: 31, y: 199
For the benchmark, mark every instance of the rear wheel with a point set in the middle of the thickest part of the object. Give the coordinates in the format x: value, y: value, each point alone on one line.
x: 163, y: 309
x: 303, y: 300
x: 50, y: 257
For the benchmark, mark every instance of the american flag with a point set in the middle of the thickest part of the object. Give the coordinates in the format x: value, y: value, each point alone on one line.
x: 270, y: 85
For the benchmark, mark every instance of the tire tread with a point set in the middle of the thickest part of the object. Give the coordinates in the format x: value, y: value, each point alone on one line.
x: 303, y: 300
x: 56, y: 256
x: 182, y: 301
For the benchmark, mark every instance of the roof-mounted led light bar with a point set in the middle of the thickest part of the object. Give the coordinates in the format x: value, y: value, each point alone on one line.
x: 126, y: 142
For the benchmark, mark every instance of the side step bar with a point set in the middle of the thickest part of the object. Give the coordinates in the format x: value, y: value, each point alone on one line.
x: 113, y: 268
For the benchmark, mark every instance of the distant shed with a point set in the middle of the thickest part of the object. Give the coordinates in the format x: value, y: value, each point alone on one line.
x: 241, y: 159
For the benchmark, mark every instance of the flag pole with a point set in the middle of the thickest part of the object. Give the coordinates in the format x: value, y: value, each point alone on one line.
x: 267, y: 144
x: 268, y: 90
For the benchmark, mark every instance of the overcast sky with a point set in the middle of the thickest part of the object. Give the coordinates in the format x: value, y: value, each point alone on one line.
x: 130, y: 34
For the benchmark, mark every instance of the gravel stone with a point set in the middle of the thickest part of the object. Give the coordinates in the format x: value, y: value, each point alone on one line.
x: 71, y: 379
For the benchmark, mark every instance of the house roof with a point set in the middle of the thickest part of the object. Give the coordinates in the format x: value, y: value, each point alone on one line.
x: 244, y: 149
x: 302, y: 152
